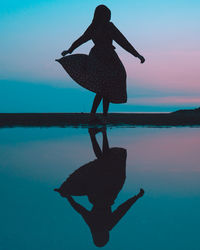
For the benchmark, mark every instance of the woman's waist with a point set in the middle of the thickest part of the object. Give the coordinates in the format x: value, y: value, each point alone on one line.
x: 104, y: 47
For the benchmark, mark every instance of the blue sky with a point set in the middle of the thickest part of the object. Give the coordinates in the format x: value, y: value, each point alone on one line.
x: 35, y: 32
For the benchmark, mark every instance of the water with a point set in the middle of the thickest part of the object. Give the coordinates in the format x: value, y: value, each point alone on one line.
x: 163, y: 161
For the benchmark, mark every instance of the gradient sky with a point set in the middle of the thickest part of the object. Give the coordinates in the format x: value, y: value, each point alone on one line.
x: 34, y: 32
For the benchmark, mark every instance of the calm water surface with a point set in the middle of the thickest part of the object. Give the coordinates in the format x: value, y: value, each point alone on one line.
x: 165, y: 162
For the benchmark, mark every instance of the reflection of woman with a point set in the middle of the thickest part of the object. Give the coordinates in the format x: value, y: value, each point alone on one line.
x: 101, y: 180
x: 102, y: 71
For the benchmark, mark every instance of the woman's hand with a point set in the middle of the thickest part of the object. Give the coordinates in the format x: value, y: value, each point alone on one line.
x: 65, y: 52
x: 141, y: 193
x: 141, y: 58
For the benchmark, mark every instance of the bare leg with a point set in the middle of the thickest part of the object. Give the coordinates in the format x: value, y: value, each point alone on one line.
x: 105, y: 142
x: 97, y: 150
x: 105, y: 106
x: 96, y: 103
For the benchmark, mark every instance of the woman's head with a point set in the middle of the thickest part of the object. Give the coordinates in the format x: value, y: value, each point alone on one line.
x: 100, y: 238
x: 102, y: 15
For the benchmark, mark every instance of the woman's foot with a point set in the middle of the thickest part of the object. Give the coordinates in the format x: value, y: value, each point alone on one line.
x: 104, y: 119
x: 93, y: 118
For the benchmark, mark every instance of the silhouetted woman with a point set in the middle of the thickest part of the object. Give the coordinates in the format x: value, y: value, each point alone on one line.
x: 101, y: 71
x: 101, y: 180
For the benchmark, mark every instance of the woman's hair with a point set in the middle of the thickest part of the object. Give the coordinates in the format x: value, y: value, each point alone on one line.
x: 101, y: 17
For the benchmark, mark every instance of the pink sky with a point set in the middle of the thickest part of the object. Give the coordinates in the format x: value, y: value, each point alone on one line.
x: 170, y: 69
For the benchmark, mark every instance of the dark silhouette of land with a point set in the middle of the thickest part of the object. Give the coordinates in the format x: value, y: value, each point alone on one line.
x: 101, y: 181
x: 178, y: 118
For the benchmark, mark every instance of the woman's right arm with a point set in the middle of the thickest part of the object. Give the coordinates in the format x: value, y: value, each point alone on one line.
x: 80, y: 209
x: 81, y: 40
x: 123, y: 209
x: 119, y: 38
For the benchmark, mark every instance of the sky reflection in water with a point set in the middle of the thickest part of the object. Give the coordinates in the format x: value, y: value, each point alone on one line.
x: 163, y: 161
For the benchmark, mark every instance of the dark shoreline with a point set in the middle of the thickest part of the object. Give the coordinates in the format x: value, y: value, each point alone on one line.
x: 178, y: 118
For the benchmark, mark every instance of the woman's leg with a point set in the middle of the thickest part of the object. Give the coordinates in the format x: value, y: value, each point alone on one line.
x: 105, y: 141
x: 105, y: 106
x: 96, y: 103
x: 97, y: 150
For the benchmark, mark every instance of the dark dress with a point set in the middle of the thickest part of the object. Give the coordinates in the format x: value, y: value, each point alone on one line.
x: 101, y: 179
x: 101, y: 71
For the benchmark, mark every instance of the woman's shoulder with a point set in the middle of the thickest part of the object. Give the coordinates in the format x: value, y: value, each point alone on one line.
x: 89, y: 31
x: 112, y: 27
x: 111, y: 24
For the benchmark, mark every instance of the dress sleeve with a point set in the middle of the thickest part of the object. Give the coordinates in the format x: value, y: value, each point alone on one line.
x: 87, y: 35
x: 119, y: 38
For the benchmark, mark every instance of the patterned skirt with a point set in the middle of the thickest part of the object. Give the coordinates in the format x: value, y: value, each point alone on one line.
x: 101, y: 179
x: 101, y: 72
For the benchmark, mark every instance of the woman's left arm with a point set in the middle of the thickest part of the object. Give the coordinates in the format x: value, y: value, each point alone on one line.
x: 119, y: 38
x: 81, y: 40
